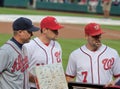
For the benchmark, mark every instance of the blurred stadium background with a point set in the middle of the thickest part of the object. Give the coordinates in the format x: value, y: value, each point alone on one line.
x: 77, y: 6
x: 63, y: 5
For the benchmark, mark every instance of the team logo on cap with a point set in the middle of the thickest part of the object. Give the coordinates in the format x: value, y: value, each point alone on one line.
x: 97, y: 27
x: 55, y: 21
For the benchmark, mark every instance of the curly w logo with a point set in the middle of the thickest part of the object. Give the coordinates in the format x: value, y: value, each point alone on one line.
x: 107, y: 63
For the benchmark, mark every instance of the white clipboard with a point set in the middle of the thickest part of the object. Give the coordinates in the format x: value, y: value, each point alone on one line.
x: 50, y: 76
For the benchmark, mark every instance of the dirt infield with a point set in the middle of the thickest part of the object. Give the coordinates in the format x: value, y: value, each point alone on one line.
x: 69, y: 31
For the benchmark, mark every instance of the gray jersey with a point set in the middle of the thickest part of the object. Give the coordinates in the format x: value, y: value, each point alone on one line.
x: 13, y: 67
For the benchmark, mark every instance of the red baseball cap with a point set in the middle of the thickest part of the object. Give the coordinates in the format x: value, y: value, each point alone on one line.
x: 93, y: 29
x: 50, y: 23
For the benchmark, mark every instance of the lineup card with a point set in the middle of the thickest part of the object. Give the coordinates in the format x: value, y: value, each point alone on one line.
x: 51, y: 76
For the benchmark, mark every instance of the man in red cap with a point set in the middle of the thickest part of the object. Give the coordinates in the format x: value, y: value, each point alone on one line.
x: 44, y: 49
x: 93, y: 62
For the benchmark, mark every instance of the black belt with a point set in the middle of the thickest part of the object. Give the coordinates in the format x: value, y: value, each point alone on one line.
x: 33, y: 88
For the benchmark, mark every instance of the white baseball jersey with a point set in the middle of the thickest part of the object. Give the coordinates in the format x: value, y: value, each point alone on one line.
x: 96, y: 67
x: 13, y: 67
x: 39, y: 53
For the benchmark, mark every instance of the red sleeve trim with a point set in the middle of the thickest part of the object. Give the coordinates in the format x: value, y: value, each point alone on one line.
x: 117, y: 75
x: 69, y: 75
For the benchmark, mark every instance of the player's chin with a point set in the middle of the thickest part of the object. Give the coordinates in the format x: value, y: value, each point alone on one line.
x: 27, y: 41
x: 55, y: 38
x: 98, y: 44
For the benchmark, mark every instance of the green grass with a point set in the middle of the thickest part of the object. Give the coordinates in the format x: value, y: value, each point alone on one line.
x: 68, y: 45
x: 110, y: 27
x: 48, y: 12
x: 4, y: 38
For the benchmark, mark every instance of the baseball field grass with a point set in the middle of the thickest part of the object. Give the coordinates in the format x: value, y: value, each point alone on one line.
x: 68, y: 45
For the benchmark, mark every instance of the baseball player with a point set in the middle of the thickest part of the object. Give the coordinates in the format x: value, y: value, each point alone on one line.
x: 13, y: 63
x: 93, y: 62
x: 44, y: 49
